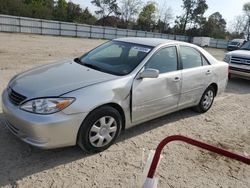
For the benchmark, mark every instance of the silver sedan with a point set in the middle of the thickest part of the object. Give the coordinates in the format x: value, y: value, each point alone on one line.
x: 124, y: 82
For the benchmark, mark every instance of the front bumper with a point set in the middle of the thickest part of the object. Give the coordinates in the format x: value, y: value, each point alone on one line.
x: 43, y: 131
x: 231, y: 48
x: 239, y: 71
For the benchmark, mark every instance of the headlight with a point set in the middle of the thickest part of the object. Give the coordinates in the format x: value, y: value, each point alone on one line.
x: 46, y: 105
x: 227, y: 58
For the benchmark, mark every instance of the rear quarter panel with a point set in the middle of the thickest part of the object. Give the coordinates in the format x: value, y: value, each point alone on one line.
x: 220, y: 75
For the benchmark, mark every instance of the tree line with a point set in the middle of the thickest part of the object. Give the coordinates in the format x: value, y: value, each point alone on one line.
x: 134, y: 14
x: 48, y: 9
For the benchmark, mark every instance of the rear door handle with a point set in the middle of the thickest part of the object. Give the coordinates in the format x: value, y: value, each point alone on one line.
x: 208, y: 72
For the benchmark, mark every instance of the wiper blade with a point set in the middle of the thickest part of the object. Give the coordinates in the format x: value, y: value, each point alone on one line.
x: 91, y: 66
x: 77, y: 60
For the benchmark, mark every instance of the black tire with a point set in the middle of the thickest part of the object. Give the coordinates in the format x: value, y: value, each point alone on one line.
x: 201, y: 107
x: 94, y: 120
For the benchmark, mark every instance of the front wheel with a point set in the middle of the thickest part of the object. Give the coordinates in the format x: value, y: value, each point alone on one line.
x: 206, y: 101
x: 100, y: 129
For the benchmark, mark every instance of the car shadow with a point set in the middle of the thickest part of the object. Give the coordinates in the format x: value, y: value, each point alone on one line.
x: 19, y: 160
x: 238, y: 86
x: 155, y: 123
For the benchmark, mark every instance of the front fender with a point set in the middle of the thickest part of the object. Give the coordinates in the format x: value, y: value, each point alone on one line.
x: 91, y: 97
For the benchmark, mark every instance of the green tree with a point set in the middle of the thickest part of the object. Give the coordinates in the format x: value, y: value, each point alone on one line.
x: 87, y: 17
x: 106, y: 8
x: 146, y: 20
x: 187, y: 17
x: 39, y: 8
x: 161, y: 26
x: 215, y: 26
x: 198, y: 13
x: 14, y: 7
x: 193, y: 15
x: 47, y: 9
x: 60, y: 10
x: 73, y: 12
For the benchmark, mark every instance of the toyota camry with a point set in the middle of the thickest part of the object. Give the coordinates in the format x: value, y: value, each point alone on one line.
x: 89, y: 100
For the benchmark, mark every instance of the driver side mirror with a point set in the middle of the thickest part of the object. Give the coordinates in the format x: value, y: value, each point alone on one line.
x: 149, y: 73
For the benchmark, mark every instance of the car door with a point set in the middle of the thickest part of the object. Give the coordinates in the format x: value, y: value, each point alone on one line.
x: 196, y: 74
x: 155, y: 96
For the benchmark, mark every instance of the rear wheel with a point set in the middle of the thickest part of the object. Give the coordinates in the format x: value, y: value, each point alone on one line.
x: 100, y: 129
x: 206, y: 101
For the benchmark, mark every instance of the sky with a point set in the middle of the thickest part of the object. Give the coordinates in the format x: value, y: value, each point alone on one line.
x: 228, y: 8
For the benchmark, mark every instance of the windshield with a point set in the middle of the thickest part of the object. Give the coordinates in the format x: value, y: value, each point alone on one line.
x: 246, y: 46
x: 114, y: 57
x: 235, y: 43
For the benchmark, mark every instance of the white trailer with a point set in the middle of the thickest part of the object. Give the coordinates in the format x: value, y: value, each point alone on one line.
x: 201, y: 41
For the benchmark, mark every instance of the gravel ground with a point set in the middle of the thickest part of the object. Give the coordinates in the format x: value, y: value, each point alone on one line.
x: 225, y: 125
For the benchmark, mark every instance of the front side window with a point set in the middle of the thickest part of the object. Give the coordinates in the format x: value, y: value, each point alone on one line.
x: 190, y: 57
x: 114, y: 57
x: 165, y: 60
x: 204, y: 61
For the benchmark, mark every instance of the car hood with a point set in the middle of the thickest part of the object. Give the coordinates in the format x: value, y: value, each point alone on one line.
x: 240, y: 53
x: 56, y: 79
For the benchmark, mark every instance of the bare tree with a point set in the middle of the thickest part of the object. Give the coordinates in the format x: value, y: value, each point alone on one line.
x: 164, y: 17
x: 246, y: 9
x: 129, y: 9
x: 167, y: 16
x: 239, y: 24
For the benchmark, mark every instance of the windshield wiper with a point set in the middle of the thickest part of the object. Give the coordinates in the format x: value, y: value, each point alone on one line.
x: 92, y: 66
x: 77, y: 60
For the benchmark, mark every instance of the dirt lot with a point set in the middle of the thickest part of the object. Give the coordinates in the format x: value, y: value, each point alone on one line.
x: 226, y: 125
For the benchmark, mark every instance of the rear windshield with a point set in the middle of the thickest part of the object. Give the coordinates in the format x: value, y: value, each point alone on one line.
x: 114, y: 57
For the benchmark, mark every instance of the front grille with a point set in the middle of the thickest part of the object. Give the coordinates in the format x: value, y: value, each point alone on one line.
x: 15, y: 97
x: 240, y: 60
x: 239, y: 69
x: 11, y: 127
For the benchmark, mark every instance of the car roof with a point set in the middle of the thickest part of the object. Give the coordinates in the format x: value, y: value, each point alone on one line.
x: 148, y: 41
x: 237, y: 40
x: 154, y: 42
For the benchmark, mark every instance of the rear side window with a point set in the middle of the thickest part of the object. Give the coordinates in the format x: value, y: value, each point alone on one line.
x: 190, y: 57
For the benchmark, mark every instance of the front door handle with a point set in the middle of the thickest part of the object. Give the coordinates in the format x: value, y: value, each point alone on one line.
x: 177, y: 79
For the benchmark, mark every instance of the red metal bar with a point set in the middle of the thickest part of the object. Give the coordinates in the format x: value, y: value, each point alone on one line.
x: 193, y: 142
